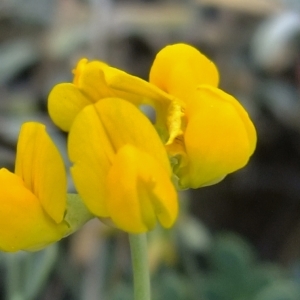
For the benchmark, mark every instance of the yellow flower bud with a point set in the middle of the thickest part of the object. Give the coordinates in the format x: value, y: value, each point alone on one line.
x: 33, y: 199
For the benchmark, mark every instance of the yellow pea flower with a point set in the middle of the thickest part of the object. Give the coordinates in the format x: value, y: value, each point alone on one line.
x: 92, y: 82
x: 217, y: 136
x: 120, y: 167
x: 209, y: 134
x: 33, y: 199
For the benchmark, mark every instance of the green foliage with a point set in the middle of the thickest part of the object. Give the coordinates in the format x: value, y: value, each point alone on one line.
x: 122, y: 292
x: 279, y: 290
x: 235, y: 274
x: 170, y: 285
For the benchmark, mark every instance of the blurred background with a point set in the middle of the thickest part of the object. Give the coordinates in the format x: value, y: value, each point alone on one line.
x: 238, y: 240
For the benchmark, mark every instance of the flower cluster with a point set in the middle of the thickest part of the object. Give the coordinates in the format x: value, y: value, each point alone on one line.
x: 124, y: 167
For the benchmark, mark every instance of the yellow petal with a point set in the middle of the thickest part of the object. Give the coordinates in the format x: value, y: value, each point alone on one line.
x: 77, y: 71
x: 23, y: 223
x: 140, y: 191
x: 139, y: 91
x: 65, y: 101
x: 134, y: 89
x: 97, y: 80
x: 91, y: 152
x: 41, y: 167
x: 178, y: 70
x: 97, y: 134
x: 219, y: 137
x: 91, y: 81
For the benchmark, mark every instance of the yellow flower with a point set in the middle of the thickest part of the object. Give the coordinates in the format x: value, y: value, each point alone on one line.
x: 207, y: 133
x: 91, y: 84
x: 217, y: 135
x: 33, y: 199
x: 120, y: 167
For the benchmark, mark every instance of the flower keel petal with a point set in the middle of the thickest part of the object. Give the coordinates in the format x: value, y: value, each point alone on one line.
x: 144, y: 192
x: 40, y: 165
x: 23, y: 223
x: 219, y: 137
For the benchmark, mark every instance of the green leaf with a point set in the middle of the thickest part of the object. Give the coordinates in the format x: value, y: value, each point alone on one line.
x: 232, y: 256
x: 280, y: 290
x: 170, y: 285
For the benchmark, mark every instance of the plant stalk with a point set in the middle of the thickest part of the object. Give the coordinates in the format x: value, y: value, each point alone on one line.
x: 139, y: 257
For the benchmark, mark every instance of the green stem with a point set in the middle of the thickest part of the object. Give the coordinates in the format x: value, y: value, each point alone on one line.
x: 139, y: 257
